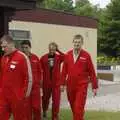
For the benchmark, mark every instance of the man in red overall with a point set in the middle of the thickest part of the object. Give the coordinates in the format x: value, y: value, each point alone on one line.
x: 51, y: 64
x: 78, y: 70
x: 15, y: 82
x: 35, y: 95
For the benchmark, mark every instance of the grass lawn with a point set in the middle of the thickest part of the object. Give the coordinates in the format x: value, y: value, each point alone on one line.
x: 90, y: 115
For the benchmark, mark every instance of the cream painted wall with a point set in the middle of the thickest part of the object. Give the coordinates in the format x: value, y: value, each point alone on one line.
x: 43, y: 34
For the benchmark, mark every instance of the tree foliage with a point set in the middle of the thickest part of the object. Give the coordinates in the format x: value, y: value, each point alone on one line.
x: 66, y: 5
x: 111, y: 30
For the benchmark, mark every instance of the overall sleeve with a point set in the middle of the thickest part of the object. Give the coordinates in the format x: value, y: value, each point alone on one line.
x: 92, y: 74
x: 27, y: 76
x: 64, y: 71
x: 41, y: 71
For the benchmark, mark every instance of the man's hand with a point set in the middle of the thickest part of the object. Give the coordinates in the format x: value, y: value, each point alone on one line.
x: 94, y: 92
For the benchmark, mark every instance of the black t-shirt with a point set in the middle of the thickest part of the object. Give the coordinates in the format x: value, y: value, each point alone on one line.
x: 51, y: 61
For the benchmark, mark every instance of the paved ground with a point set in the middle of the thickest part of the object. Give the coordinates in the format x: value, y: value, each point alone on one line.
x: 108, y: 98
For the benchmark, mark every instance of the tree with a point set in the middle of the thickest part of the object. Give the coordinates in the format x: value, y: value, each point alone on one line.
x: 82, y: 7
x: 61, y: 5
x: 112, y: 29
x: 85, y: 8
x: 68, y: 5
x: 101, y: 43
x: 82, y: 2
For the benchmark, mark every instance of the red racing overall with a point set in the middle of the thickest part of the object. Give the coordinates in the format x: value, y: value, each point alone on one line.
x: 15, y: 86
x: 78, y: 75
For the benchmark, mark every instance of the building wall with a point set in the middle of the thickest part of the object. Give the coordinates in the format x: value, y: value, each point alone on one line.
x: 43, y: 34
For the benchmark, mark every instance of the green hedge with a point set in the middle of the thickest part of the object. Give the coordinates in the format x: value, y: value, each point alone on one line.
x: 104, y: 60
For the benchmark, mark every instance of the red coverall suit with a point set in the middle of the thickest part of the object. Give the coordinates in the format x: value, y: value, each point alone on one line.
x: 15, y: 86
x: 35, y: 96
x: 78, y: 75
x: 51, y: 86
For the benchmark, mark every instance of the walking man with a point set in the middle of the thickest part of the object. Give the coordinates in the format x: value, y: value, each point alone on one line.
x: 36, y: 71
x: 51, y: 65
x: 77, y: 72
x: 15, y: 82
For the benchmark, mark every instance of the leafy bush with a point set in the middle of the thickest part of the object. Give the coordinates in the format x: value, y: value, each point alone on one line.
x: 105, y: 60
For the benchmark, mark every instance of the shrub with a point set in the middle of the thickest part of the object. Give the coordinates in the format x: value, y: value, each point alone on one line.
x: 105, y: 60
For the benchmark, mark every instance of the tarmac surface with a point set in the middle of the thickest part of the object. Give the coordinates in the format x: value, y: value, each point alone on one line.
x: 107, y: 99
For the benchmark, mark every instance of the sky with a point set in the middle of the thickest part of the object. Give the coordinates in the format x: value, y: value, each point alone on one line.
x: 102, y: 3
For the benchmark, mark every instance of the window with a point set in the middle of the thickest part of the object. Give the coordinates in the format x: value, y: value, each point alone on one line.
x: 19, y: 36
